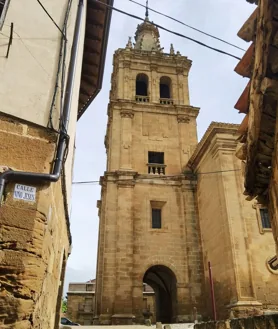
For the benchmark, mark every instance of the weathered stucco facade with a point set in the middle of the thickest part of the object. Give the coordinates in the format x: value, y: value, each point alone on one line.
x: 37, y: 133
x: 161, y: 220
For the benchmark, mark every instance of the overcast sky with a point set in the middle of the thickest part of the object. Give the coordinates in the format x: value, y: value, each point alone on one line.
x: 213, y: 86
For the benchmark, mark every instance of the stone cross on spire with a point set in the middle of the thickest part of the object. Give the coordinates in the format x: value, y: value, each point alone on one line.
x: 147, y: 10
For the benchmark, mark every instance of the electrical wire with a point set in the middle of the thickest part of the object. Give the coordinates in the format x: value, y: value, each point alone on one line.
x: 31, y: 54
x: 191, y: 27
x: 92, y: 182
x: 170, y: 31
x: 47, y: 13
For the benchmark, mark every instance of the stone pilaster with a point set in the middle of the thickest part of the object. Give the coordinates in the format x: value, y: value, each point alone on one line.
x: 126, y: 139
x: 183, y: 126
x: 126, y: 91
x: 180, y: 72
x: 154, y: 92
x: 124, y: 250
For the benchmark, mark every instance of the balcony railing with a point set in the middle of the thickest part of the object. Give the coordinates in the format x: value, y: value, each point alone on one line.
x: 156, y: 169
x: 142, y: 99
x: 166, y: 101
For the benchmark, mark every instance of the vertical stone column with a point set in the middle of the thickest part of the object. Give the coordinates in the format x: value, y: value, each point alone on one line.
x: 183, y: 127
x: 126, y: 139
x: 124, y: 251
x: 137, y: 301
x: 193, y: 290
x: 120, y: 84
x: 126, y: 74
x: 243, y: 272
x: 180, y: 74
x: 106, y: 262
x: 154, y: 85
x: 186, y: 89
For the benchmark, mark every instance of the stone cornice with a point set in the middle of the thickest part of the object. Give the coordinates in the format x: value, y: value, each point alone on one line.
x: 183, y: 118
x: 213, y: 129
x: 186, y: 181
x: 163, y: 59
x: 180, y: 110
x: 127, y: 113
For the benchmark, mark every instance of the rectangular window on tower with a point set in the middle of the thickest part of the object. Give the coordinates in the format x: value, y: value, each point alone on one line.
x: 265, y: 218
x: 156, y: 157
x: 156, y: 218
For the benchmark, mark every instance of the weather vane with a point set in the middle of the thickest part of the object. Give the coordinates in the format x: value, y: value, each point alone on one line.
x: 147, y: 9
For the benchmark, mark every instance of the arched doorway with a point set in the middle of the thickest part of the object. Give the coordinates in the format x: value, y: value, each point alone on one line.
x: 164, y: 283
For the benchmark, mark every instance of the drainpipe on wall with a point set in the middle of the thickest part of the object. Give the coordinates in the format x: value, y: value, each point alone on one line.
x: 11, y: 175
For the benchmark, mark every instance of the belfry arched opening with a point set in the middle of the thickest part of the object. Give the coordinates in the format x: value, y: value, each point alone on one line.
x: 164, y: 283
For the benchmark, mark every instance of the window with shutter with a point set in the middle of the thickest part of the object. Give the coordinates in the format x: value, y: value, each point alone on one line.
x: 3, y: 10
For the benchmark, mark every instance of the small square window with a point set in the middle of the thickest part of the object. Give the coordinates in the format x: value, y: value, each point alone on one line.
x: 156, y: 218
x: 265, y: 218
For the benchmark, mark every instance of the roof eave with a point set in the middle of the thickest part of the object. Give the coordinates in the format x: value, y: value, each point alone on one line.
x: 101, y: 66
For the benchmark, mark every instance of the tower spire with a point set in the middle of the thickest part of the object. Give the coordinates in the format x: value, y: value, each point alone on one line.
x: 147, y: 10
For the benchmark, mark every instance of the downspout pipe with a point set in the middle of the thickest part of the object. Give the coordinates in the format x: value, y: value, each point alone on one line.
x: 11, y: 175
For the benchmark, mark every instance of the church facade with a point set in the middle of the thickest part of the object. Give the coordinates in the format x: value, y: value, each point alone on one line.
x: 169, y: 205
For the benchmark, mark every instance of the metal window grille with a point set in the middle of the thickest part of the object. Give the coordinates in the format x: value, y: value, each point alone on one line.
x: 265, y: 218
x: 156, y: 218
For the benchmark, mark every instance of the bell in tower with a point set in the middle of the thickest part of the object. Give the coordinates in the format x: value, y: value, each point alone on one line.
x: 149, y: 256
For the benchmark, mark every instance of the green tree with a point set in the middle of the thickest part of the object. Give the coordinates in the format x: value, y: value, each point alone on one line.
x: 64, y: 305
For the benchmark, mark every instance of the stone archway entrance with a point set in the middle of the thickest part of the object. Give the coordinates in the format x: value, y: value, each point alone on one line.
x: 164, y: 283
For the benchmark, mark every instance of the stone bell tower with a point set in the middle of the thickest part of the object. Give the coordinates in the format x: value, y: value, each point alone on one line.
x: 149, y: 229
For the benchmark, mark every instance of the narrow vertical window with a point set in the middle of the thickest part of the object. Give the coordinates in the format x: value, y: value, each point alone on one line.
x: 3, y: 10
x: 265, y: 218
x: 156, y: 218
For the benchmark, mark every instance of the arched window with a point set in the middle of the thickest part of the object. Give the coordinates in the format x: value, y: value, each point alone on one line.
x: 165, y: 87
x: 142, y: 82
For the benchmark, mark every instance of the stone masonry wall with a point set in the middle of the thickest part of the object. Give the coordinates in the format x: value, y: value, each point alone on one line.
x: 232, y: 236
x: 257, y: 322
x: 34, y: 235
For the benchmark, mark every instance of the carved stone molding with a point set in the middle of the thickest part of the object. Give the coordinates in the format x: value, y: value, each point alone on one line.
x: 154, y: 67
x: 183, y: 119
x: 127, y: 114
x: 180, y: 70
x: 126, y: 64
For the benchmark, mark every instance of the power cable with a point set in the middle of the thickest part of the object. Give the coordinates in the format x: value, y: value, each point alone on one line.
x: 158, y: 177
x: 168, y: 30
x: 191, y: 27
x: 47, y: 13
x: 29, y: 51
